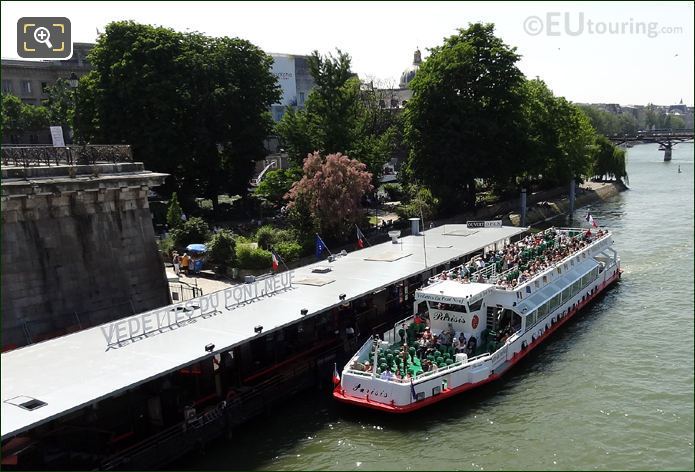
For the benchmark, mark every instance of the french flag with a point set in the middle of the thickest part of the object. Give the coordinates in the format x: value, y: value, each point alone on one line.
x: 336, y: 375
x: 275, y: 262
x: 360, y: 242
x: 591, y: 220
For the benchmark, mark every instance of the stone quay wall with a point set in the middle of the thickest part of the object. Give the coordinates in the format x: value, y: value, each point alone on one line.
x: 78, y: 249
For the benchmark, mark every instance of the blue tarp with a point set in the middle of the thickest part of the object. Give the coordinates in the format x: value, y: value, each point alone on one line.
x: 196, y: 248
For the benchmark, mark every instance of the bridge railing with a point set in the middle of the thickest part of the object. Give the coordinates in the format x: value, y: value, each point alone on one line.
x: 32, y: 156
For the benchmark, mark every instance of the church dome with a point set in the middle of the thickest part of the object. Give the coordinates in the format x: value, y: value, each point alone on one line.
x: 409, y: 74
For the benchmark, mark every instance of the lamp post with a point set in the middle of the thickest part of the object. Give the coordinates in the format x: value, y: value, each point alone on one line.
x: 73, y: 82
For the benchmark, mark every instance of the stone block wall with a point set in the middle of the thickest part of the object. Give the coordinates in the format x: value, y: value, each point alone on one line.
x: 76, y: 252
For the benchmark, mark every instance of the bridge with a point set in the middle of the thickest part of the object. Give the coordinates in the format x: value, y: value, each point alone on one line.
x: 667, y: 138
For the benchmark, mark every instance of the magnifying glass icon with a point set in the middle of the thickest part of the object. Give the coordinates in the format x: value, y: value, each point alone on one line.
x: 43, y: 36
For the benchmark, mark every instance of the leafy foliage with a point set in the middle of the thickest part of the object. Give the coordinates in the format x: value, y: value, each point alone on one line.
x: 192, y: 231
x: 248, y: 257
x: 340, y: 118
x: 609, y: 160
x: 462, y: 122
x: 276, y: 183
x: 222, y: 248
x: 18, y: 117
x: 421, y: 204
x: 174, y: 212
x: 190, y: 105
x: 288, y: 250
x: 330, y: 193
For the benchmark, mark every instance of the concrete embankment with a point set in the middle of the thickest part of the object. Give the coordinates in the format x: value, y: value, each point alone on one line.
x: 541, y: 206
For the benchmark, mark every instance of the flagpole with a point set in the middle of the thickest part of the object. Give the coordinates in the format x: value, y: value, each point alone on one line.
x: 359, y: 231
x: 280, y: 258
x: 324, y: 244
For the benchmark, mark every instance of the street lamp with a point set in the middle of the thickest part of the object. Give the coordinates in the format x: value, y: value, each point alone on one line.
x: 73, y: 81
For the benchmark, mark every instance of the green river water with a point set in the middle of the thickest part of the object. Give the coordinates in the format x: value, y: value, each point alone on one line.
x: 612, y: 390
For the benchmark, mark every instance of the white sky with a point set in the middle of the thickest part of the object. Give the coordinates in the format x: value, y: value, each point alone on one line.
x: 626, y: 68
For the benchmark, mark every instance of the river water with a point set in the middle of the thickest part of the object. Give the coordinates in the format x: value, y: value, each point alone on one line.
x: 612, y: 390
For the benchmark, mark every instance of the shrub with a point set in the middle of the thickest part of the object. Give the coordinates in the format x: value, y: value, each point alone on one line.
x: 248, y: 257
x: 421, y: 200
x: 174, y: 212
x: 289, y: 250
x: 194, y: 230
x: 166, y: 245
x: 222, y: 249
x: 394, y: 192
x: 268, y: 236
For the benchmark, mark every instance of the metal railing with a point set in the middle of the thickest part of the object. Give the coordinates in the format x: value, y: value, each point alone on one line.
x: 32, y: 156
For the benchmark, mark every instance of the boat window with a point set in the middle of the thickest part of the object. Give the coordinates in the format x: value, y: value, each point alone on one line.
x: 475, y: 306
x: 559, y: 270
x: 566, y: 295
x: 450, y: 307
x: 575, y: 287
x: 537, y: 283
x: 554, y: 303
x: 542, y: 310
x: 530, y: 319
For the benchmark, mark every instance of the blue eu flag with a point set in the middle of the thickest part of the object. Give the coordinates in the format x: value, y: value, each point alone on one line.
x: 320, y: 247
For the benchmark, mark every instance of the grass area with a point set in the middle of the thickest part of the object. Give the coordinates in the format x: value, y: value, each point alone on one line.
x: 206, y: 203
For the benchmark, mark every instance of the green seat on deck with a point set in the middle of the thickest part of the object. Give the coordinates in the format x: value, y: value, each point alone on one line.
x: 440, y: 359
x: 411, y: 351
x: 449, y: 361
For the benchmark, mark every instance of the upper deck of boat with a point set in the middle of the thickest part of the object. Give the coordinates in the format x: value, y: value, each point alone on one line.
x: 79, y: 369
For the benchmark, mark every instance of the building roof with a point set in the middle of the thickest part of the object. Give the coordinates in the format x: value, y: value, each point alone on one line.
x: 79, y: 369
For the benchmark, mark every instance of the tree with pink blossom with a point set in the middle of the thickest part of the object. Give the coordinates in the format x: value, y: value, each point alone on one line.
x: 329, y: 194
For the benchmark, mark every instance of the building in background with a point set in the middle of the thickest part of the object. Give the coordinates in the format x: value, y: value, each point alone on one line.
x: 29, y: 80
x: 294, y: 77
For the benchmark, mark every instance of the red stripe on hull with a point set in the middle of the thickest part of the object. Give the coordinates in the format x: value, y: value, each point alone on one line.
x: 340, y: 395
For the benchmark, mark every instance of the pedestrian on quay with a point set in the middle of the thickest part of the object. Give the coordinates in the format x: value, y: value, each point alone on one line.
x: 185, y: 261
x: 177, y: 263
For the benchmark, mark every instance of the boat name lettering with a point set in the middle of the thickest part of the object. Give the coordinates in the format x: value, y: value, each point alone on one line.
x: 152, y: 323
x: 442, y: 316
x: 433, y: 297
x: 372, y: 392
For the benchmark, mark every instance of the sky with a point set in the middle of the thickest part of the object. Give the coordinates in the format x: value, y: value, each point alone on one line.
x: 593, y: 52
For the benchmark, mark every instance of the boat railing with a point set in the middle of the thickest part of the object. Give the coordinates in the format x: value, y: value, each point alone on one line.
x: 390, y: 335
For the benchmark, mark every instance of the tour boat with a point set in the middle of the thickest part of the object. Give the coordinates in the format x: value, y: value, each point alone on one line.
x: 509, y: 304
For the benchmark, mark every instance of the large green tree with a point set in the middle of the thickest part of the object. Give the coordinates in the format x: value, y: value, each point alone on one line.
x: 463, y: 120
x: 190, y: 105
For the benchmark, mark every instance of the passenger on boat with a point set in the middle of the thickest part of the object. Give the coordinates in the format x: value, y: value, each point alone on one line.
x: 462, y: 343
x: 472, y: 344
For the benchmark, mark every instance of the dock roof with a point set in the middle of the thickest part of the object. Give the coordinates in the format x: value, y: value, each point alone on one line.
x: 72, y: 371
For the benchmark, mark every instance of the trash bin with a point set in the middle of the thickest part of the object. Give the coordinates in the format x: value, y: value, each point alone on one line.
x: 197, y: 265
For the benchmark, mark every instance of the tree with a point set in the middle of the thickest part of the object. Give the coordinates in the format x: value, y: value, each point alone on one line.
x: 192, y: 106
x: 330, y: 193
x: 559, y: 138
x: 339, y: 117
x: 463, y: 120
x: 174, y: 212
x: 61, y: 104
x: 276, y: 183
x: 609, y: 160
x: 222, y: 249
x: 19, y: 117
x: 192, y: 231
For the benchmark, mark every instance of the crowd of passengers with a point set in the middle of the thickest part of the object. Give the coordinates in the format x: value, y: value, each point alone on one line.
x: 527, y: 257
x: 428, y: 352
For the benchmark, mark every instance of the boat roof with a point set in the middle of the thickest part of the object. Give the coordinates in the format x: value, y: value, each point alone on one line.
x: 453, y: 288
x: 72, y: 371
